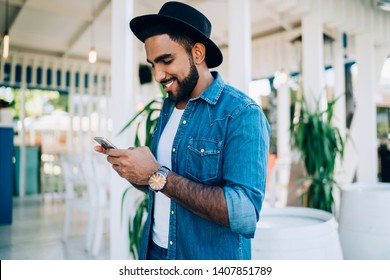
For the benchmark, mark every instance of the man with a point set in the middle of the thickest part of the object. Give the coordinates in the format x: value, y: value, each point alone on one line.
x: 206, y: 172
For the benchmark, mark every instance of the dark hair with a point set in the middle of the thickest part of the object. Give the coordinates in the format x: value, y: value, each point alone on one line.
x: 175, y: 33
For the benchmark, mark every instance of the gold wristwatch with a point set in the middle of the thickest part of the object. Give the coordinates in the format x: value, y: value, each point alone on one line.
x: 158, y: 179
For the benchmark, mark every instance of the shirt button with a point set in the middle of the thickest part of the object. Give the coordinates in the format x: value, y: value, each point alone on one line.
x: 170, y: 242
x: 184, y: 122
x: 202, y: 150
x: 173, y: 150
x: 173, y: 212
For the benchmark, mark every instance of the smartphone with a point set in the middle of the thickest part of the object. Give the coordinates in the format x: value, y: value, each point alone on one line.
x: 105, y: 143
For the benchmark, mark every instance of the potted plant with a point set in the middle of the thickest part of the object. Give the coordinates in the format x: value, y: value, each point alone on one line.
x: 145, y: 121
x: 320, y: 144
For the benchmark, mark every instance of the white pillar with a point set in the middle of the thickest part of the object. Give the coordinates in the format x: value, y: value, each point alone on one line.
x: 44, y: 73
x: 339, y: 117
x: 283, y: 123
x: 2, y: 65
x: 63, y: 74
x: 283, y: 135
x: 363, y: 128
x: 240, y: 44
x: 34, y: 74
x: 91, y: 93
x: 71, y: 105
x: 121, y: 109
x: 13, y: 70
x: 22, y: 135
x: 312, y: 52
x: 107, y: 94
x: 99, y: 90
x: 339, y: 73
x: 54, y: 80
x: 81, y: 90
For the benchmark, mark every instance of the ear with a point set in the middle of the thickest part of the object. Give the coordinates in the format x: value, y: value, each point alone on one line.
x: 199, y: 53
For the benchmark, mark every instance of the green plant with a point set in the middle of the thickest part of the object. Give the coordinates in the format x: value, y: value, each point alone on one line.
x: 147, y: 118
x: 145, y: 121
x: 136, y: 225
x: 320, y: 143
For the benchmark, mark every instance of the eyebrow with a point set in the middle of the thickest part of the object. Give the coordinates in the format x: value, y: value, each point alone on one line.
x: 160, y: 58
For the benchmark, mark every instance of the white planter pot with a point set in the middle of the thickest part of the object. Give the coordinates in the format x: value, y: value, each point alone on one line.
x: 365, y: 221
x: 296, y: 233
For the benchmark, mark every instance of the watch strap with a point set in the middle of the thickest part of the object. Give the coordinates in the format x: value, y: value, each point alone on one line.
x: 163, y: 170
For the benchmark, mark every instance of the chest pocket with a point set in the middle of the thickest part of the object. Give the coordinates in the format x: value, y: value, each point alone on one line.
x: 203, y: 159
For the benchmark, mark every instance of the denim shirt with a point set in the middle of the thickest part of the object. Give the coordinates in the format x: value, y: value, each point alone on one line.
x: 222, y: 140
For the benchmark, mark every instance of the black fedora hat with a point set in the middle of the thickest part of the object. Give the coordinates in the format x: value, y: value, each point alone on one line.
x: 188, y: 19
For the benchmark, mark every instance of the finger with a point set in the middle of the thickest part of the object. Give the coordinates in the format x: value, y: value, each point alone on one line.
x: 113, y: 160
x: 117, y: 169
x: 100, y: 149
x: 116, y: 152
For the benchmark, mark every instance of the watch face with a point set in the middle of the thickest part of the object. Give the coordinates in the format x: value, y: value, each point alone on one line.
x: 157, y: 181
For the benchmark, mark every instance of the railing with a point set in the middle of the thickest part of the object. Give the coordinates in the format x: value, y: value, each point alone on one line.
x: 87, y: 87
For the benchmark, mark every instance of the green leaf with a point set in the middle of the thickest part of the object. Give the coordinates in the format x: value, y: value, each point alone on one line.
x: 146, y: 109
x: 320, y: 143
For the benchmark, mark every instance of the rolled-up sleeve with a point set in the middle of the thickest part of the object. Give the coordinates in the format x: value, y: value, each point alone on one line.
x: 242, y: 214
x: 245, y: 168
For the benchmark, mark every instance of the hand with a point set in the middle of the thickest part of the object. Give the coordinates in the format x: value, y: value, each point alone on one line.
x: 135, y: 164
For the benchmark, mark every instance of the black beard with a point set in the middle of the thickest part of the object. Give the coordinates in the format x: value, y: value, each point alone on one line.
x: 187, y: 85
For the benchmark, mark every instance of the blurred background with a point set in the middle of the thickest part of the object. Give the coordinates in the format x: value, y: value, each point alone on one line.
x: 72, y: 70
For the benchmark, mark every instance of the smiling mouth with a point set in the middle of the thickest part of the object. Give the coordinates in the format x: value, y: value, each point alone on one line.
x: 167, y: 85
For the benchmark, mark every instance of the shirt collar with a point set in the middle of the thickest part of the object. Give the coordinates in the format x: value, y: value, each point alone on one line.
x: 213, y: 92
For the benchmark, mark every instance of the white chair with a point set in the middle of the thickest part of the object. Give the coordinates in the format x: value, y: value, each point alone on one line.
x: 101, y: 180
x: 80, y: 192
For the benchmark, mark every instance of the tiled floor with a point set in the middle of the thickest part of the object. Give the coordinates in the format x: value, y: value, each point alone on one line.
x: 36, y: 232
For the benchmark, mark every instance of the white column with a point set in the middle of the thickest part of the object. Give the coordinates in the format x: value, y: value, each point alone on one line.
x: 44, y: 73
x: 91, y: 92
x: 240, y: 44
x: 121, y: 109
x: 2, y: 64
x: 63, y: 74
x: 34, y: 74
x: 312, y: 54
x: 283, y: 117
x: 339, y: 72
x: 107, y: 94
x: 71, y: 106
x: 13, y: 70
x: 339, y: 117
x: 363, y: 128
x: 283, y: 133
x: 54, y: 75
x: 81, y: 91
x: 99, y: 99
x: 22, y: 136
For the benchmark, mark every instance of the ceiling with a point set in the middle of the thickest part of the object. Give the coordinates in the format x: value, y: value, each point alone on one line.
x: 69, y: 28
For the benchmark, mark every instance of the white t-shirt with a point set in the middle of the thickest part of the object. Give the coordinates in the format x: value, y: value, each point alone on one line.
x: 162, y: 203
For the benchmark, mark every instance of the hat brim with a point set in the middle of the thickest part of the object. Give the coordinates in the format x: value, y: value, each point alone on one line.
x: 139, y: 24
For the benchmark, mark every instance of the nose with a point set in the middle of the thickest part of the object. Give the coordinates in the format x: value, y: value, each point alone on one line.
x: 159, y: 74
